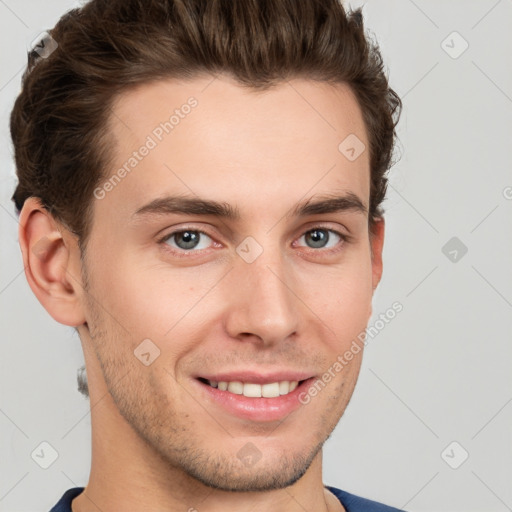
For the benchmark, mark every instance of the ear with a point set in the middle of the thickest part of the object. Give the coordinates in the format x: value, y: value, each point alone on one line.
x: 51, y: 258
x: 376, y: 245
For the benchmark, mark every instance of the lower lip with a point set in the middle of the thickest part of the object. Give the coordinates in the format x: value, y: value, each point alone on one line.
x: 257, y: 408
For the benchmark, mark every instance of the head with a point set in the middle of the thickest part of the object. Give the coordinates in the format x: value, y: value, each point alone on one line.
x: 171, y: 155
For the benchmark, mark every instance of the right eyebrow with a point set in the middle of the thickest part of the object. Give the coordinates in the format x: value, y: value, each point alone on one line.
x: 188, y: 206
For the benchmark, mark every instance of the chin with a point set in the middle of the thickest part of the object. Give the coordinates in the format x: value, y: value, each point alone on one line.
x: 249, y: 469
x: 254, y: 479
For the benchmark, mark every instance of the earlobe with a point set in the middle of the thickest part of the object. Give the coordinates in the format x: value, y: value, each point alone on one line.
x: 49, y: 260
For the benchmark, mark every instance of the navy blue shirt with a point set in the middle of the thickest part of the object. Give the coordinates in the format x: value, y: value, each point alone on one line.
x: 351, y: 502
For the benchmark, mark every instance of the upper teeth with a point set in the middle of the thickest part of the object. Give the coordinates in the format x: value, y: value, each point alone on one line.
x: 251, y: 389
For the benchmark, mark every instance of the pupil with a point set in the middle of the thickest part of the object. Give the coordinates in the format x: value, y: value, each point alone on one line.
x: 189, y: 239
x: 318, y: 237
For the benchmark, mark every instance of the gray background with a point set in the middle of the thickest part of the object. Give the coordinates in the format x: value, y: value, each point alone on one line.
x: 437, y: 373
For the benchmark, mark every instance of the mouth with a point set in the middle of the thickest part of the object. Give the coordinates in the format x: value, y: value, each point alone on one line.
x: 267, y: 401
x: 254, y: 389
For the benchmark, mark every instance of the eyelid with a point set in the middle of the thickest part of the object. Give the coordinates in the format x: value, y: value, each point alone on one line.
x: 343, y: 233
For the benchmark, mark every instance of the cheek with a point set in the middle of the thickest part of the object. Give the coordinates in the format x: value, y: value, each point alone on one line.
x: 352, y: 303
x: 342, y: 296
x: 156, y: 301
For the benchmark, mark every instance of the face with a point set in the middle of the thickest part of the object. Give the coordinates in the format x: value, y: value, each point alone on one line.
x: 240, y: 282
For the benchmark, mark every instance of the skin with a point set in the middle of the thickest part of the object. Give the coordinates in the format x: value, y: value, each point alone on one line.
x: 157, y: 442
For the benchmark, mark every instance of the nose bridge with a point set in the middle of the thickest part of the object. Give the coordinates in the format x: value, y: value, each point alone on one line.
x: 263, y: 303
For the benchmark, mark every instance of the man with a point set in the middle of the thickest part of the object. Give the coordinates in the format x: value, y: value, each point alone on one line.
x: 200, y: 188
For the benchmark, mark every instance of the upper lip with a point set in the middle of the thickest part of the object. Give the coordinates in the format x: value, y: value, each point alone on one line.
x: 258, y: 377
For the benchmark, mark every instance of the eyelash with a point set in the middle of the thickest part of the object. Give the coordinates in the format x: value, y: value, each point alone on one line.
x: 184, y: 253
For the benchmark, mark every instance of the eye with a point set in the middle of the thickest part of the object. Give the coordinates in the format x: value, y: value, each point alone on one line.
x: 322, y: 238
x: 187, y: 239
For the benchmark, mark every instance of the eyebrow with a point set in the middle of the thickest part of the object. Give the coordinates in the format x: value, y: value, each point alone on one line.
x: 327, y: 203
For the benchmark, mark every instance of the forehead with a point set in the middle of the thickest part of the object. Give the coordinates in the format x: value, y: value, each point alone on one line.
x: 213, y: 138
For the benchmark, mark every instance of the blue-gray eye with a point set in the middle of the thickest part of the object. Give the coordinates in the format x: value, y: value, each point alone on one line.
x: 318, y: 238
x: 187, y: 239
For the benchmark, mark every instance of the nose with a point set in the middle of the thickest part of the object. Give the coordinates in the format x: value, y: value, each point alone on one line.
x: 263, y: 307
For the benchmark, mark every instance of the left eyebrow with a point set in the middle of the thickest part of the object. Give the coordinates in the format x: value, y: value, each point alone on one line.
x: 348, y: 202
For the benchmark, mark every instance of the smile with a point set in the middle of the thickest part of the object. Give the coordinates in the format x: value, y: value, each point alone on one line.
x: 255, y: 390
x: 268, y: 401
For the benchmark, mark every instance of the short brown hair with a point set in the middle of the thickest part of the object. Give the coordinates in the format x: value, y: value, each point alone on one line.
x: 59, y: 120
